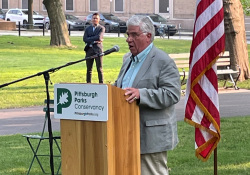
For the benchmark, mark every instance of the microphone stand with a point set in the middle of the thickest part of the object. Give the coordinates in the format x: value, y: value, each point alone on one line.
x: 47, y: 79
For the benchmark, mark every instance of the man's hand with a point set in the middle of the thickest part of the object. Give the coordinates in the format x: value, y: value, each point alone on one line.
x: 133, y: 94
x: 98, y: 42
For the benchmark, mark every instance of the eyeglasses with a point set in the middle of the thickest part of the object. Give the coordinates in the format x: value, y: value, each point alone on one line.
x: 133, y: 35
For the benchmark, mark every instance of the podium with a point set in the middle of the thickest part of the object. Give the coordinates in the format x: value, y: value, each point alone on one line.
x: 109, y: 147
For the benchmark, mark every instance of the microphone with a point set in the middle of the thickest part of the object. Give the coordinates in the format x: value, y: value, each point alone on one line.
x: 114, y: 49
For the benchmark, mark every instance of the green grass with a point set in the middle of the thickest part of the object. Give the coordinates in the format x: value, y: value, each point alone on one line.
x: 24, y: 56
x: 233, y: 152
x: 16, y: 155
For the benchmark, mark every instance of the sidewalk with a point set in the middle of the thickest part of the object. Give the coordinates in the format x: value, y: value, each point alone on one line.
x: 24, y: 120
x: 31, y: 119
x: 182, y: 35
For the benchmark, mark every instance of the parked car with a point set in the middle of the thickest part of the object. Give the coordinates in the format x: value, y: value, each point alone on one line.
x: 46, y: 23
x: 2, y: 14
x: 110, y: 22
x: 159, y: 23
x: 72, y: 21
x: 21, y: 15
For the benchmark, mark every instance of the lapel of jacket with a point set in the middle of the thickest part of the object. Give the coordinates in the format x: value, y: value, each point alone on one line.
x: 97, y: 29
x: 144, y: 68
x: 92, y: 32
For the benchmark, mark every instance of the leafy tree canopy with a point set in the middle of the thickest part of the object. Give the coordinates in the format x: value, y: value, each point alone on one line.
x: 246, y: 6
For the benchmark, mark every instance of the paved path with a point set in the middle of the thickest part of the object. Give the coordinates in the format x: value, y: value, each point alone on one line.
x: 232, y: 103
x: 24, y: 120
x: 27, y: 120
x: 39, y: 32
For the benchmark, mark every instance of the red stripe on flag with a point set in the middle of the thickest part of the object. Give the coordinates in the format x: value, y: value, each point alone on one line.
x: 207, y: 58
x: 190, y: 110
x: 208, y: 104
x: 199, y: 137
x: 200, y: 142
x: 201, y: 7
x: 205, y: 152
x: 207, y: 29
x: 210, y: 74
x: 202, y: 86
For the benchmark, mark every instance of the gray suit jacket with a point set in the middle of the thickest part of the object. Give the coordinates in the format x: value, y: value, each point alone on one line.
x: 159, y: 84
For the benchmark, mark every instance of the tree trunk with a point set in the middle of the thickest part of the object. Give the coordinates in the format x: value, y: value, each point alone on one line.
x: 236, y: 42
x: 58, y: 25
x: 30, y: 14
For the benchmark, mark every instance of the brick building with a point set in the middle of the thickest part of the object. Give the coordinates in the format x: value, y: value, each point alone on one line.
x: 180, y: 12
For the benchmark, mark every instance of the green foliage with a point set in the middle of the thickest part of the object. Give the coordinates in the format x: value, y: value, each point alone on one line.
x: 246, y: 6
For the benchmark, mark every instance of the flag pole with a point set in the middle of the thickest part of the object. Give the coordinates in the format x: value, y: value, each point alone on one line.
x: 215, y: 161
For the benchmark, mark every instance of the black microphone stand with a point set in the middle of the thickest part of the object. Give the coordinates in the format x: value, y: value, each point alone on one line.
x: 47, y: 79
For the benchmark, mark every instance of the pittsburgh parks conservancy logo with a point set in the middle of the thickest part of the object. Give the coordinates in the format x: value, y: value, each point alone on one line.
x: 64, y: 99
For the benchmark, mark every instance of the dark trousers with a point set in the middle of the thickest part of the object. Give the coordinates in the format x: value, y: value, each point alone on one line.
x: 89, y: 64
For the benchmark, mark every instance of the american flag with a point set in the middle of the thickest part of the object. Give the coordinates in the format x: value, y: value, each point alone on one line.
x: 202, y: 103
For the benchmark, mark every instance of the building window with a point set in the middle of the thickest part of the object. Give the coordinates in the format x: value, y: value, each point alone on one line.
x: 69, y: 5
x: 24, y: 4
x: 163, y: 6
x: 119, y: 5
x: 93, y: 5
x: 5, y: 4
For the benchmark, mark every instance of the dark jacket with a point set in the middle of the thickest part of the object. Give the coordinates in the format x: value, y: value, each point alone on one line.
x: 91, y: 36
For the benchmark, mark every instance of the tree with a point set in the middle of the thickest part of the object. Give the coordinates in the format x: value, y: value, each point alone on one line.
x: 58, y: 25
x: 236, y: 42
x: 30, y: 14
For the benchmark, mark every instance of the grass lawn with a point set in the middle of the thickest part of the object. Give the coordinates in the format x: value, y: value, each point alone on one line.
x: 233, y: 152
x: 24, y: 56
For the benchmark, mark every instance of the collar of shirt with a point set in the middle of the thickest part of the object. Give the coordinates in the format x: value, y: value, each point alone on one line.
x: 141, y: 56
x: 94, y: 27
x: 135, y: 66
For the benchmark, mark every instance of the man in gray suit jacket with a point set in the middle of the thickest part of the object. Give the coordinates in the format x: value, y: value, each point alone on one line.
x: 93, y: 37
x: 151, y: 79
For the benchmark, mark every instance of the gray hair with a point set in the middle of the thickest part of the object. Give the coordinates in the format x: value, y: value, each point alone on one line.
x: 144, y: 23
